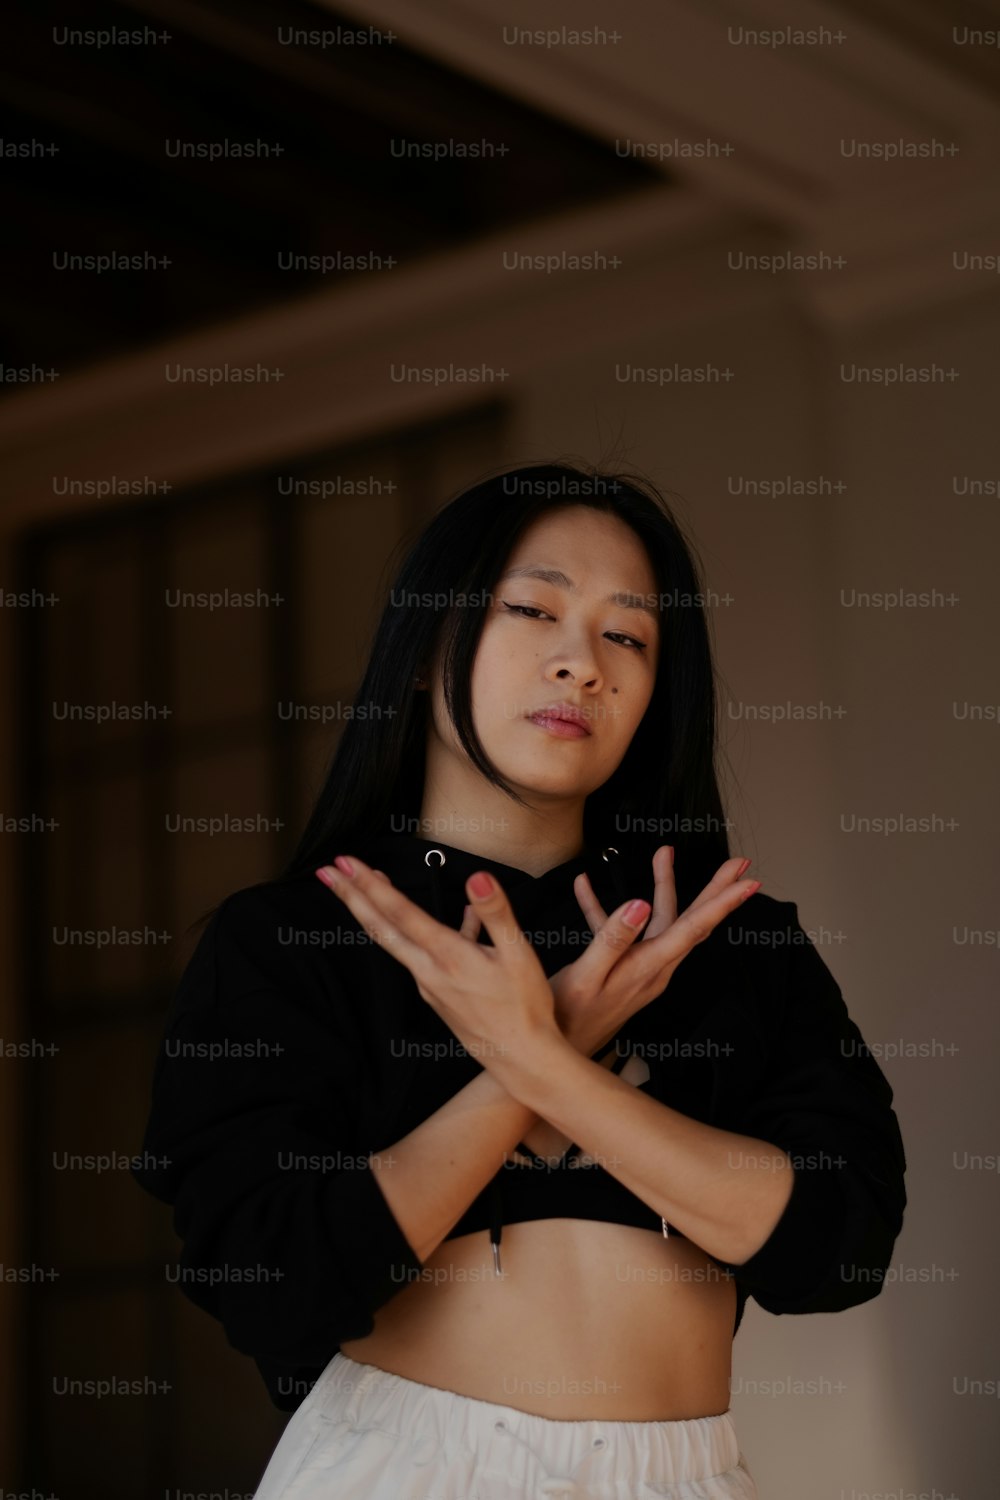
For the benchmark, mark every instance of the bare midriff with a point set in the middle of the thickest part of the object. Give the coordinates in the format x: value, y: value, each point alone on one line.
x: 590, y: 1320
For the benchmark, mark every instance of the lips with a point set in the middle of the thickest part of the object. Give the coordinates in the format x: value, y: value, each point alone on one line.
x: 562, y: 713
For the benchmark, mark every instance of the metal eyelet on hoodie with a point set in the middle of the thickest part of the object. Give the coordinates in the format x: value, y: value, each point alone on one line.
x: 435, y: 866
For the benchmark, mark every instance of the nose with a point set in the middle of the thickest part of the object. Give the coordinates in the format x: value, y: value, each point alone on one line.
x: 586, y: 679
x: 576, y: 659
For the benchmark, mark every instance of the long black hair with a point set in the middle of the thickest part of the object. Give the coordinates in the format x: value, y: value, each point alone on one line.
x: 666, y: 786
x: 666, y: 783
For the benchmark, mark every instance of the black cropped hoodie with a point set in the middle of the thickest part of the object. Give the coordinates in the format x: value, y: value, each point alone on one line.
x: 296, y: 1047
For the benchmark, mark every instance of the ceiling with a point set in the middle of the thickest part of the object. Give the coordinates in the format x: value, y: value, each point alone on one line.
x: 226, y: 73
x: 754, y: 146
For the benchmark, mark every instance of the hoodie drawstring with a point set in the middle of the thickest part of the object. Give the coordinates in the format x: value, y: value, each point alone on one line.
x: 496, y: 1203
x: 496, y: 1194
x: 562, y: 1485
x: 434, y: 865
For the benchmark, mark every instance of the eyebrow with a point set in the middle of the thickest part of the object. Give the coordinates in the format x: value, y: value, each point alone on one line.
x: 555, y: 576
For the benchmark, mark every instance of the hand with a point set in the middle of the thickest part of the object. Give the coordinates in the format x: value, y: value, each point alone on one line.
x: 497, y: 1000
x: 615, y: 977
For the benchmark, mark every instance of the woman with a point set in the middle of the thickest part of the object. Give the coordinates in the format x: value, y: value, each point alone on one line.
x: 364, y: 1073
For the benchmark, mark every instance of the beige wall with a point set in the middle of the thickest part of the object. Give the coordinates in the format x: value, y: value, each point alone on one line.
x: 884, y: 1412
x: 11, y: 1222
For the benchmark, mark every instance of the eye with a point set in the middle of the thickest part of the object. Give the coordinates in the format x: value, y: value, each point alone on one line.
x: 531, y: 611
x: 523, y: 609
x: 629, y: 641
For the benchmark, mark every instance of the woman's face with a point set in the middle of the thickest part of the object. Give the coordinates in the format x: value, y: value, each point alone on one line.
x: 546, y: 643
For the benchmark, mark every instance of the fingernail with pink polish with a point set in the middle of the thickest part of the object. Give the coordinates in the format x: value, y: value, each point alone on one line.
x: 636, y: 913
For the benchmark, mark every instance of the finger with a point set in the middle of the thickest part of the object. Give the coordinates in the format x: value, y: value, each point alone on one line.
x: 470, y: 924
x: 592, y: 909
x: 664, y: 950
x: 470, y: 920
x: 390, y: 918
x: 497, y: 916
x: 697, y: 921
x: 612, y: 940
x: 664, y: 893
x: 722, y: 880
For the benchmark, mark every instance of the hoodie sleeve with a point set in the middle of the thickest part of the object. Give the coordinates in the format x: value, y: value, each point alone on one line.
x: 824, y: 1100
x: 253, y: 1137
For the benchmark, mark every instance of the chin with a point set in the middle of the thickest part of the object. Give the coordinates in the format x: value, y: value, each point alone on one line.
x: 550, y: 781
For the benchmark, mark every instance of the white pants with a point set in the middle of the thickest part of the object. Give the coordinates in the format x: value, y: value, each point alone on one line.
x: 365, y: 1434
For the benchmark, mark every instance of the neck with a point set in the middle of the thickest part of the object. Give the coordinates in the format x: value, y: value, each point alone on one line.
x: 480, y: 819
